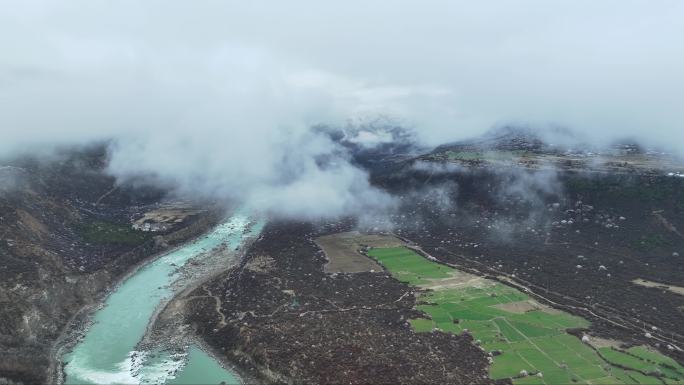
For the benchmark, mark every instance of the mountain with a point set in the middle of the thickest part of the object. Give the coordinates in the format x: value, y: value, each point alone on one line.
x: 66, y: 236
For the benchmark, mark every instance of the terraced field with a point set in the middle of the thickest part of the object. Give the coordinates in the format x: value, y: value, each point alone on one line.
x: 528, y: 341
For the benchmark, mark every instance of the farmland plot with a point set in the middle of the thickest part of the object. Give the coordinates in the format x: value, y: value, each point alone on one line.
x: 528, y: 342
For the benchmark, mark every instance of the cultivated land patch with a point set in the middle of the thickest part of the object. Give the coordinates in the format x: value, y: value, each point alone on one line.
x: 102, y: 232
x: 675, y: 289
x: 598, y: 342
x: 343, y: 251
x: 522, y: 307
x: 526, y: 343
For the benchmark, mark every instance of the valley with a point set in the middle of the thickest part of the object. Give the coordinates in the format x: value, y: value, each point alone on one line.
x: 66, y: 241
x: 341, y: 193
x: 527, y: 274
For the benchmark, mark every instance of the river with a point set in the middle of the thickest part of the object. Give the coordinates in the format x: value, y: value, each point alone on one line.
x: 107, y: 354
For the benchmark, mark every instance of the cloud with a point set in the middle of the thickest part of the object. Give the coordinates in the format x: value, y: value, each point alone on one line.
x: 218, y: 97
x: 293, y: 174
x: 11, y: 179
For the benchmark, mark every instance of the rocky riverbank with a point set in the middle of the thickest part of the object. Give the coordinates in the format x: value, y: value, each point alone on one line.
x: 65, y: 238
x: 75, y: 329
x: 166, y: 330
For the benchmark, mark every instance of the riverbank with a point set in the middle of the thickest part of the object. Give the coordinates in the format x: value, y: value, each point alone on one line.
x: 166, y: 330
x: 75, y: 329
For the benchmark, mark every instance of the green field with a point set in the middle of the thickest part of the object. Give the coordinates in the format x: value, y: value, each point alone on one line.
x: 100, y: 232
x: 482, y: 155
x: 533, y: 341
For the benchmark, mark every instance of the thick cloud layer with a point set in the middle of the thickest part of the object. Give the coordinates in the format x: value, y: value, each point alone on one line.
x: 217, y: 96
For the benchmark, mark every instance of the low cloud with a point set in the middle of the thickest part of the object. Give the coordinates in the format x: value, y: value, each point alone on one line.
x: 301, y: 174
x: 217, y: 98
x: 11, y: 179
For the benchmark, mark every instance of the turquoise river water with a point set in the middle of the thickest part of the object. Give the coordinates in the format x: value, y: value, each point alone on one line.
x: 107, y: 354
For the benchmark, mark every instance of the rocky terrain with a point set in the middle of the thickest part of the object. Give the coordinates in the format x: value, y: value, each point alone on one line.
x: 280, y: 318
x: 598, y: 238
x: 580, y: 236
x: 66, y: 236
x: 594, y: 232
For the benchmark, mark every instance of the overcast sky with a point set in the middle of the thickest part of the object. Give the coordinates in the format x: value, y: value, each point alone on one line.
x: 234, y: 85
